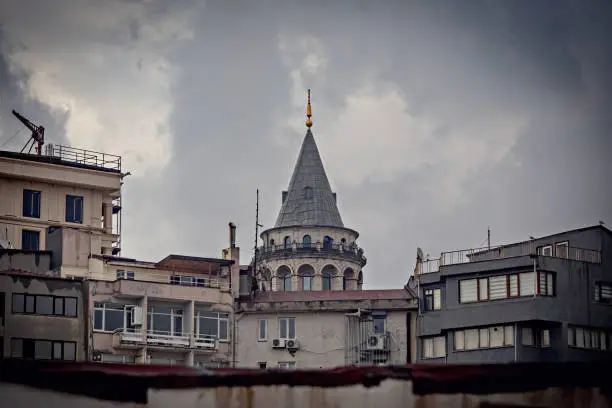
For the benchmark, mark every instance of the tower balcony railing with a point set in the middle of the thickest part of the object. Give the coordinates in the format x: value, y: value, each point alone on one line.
x: 351, y: 252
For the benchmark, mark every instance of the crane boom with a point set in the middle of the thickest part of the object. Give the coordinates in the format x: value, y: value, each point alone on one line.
x: 38, y: 132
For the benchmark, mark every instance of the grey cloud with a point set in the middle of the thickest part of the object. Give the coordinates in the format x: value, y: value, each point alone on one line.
x: 458, y: 62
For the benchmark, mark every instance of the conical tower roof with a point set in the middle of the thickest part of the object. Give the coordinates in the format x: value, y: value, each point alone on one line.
x: 309, y: 199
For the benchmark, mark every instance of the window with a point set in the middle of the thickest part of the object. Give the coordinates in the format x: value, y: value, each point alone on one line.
x: 118, y: 358
x: 306, y: 241
x: 1, y: 313
x: 379, y: 323
x: 468, y: 290
x: 262, y: 365
x: 432, y: 299
x: 109, y: 317
x: 216, y: 324
x: 345, y: 283
x: 535, y: 337
x: 31, y: 203
x: 165, y: 321
x: 306, y: 282
x: 284, y: 281
x: 43, y: 349
x: 286, y: 328
x: 74, y: 209
x: 328, y: 242
x: 182, y: 280
x: 546, y: 284
x: 506, y: 286
x: 30, y: 240
x: 288, y: 365
x: 327, y: 280
x: 603, y: 292
x: 121, y: 274
x: 44, y: 305
x: 262, y: 330
x: 545, y: 250
x: 434, y: 347
x: 561, y: 249
x: 589, y: 338
x: 287, y: 242
x: 484, y: 338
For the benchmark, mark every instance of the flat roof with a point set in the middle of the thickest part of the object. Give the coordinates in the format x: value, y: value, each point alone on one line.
x: 77, y: 158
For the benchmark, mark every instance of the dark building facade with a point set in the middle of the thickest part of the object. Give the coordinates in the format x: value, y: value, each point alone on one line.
x: 547, y: 299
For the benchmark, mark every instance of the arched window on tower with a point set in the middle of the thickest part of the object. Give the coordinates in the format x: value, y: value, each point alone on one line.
x: 328, y: 242
x: 283, y: 277
x: 327, y: 280
x: 287, y: 242
x: 306, y: 241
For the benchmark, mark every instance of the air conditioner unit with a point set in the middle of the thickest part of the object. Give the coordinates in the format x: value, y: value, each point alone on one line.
x: 292, y: 344
x: 136, y: 319
x: 96, y: 356
x: 376, y: 342
x: 278, y: 343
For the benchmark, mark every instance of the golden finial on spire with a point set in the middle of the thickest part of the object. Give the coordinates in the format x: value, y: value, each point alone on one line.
x: 308, y: 112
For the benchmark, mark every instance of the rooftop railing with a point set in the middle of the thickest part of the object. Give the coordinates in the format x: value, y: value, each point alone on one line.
x: 508, y: 251
x: 83, y: 157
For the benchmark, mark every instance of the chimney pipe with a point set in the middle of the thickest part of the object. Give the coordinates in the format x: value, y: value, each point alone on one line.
x: 232, y: 235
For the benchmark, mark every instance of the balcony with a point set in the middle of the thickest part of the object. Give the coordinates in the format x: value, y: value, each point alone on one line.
x: 504, y: 252
x: 167, y: 286
x: 335, y: 251
x: 135, y: 338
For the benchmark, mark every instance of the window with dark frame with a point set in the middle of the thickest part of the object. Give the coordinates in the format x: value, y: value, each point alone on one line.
x: 603, y: 292
x: 37, y: 349
x: 432, y: 299
x: 31, y: 203
x: 30, y: 240
x: 507, y: 286
x: 46, y: 305
x: 74, y: 209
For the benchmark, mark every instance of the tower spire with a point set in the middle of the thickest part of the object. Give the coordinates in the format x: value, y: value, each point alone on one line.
x: 308, y: 112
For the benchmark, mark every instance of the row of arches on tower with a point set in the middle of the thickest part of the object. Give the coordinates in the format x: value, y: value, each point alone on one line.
x: 328, y: 242
x: 306, y: 279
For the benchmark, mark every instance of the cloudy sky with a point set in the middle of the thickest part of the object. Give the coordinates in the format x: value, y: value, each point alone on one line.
x: 435, y: 119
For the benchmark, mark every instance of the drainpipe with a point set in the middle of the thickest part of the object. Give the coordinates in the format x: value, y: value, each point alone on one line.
x: 235, y: 337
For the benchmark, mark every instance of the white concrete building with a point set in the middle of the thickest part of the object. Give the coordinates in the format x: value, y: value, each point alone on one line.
x: 309, y: 309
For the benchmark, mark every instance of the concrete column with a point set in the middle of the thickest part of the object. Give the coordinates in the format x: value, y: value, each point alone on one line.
x: 189, y: 329
x: 317, y: 281
x: 144, y: 304
x: 107, y: 207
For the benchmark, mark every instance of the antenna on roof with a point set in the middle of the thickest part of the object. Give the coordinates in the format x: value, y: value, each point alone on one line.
x: 257, y: 225
x: 38, y: 133
x: 488, y: 237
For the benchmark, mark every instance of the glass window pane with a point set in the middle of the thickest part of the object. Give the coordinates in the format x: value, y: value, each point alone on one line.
x: 497, y: 287
x: 496, y: 335
x: 59, y: 306
x: 18, y: 303
x: 291, y: 328
x: 70, y: 351
x: 178, y: 326
x: 113, y: 319
x: 439, y: 346
x: 44, y: 305
x: 468, y: 291
x: 29, y: 304
x: 223, y: 330
x: 514, y: 290
x: 208, y: 326
x: 263, y: 329
x: 98, y: 323
x: 379, y: 324
x: 484, y: 338
x: 483, y: 289
x: 42, y: 350
x: 57, y: 350
x: 282, y: 324
x: 70, y: 307
x: 509, y: 335
x: 459, y: 340
x: 17, y: 348
x: 471, y: 339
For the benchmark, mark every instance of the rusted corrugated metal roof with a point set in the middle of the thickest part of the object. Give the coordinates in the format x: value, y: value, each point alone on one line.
x: 119, y: 382
x: 304, y: 296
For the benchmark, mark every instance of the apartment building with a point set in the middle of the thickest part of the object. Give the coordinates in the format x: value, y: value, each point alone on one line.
x: 546, y: 299
x: 65, y: 187
x: 175, y: 311
x: 41, y: 314
x: 309, y: 309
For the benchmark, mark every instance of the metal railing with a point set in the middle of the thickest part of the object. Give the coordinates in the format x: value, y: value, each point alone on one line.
x: 508, y: 251
x: 84, y: 157
x: 165, y: 338
x: 200, y: 281
x: 348, y: 251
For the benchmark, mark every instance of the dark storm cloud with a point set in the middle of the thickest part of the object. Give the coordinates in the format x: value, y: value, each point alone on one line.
x: 532, y: 75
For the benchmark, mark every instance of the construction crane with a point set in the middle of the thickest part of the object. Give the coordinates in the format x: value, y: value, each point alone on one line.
x: 38, y: 134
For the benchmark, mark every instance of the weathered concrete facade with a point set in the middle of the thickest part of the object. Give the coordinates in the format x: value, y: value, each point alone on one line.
x: 547, y: 299
x: 42, y: 317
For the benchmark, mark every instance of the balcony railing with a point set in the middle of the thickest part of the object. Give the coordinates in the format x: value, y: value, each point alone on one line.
x: 84, y: 157
x: 504, y: 252
x: 352, y: 252
x: 136, y: 337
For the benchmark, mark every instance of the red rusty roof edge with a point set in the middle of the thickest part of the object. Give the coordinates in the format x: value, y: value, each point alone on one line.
x: 129, y: 383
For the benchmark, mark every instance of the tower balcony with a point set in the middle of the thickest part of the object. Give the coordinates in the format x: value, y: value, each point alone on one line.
x: 331, y: 251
